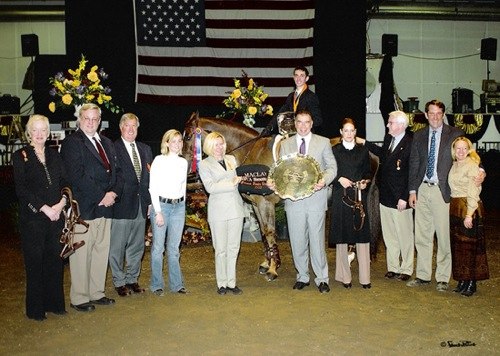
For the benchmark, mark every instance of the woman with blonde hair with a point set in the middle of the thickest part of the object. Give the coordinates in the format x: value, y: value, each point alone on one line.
x: 225, y: 210
x: 468, y: 247
x: 39, y: 176
x: 167, y: 186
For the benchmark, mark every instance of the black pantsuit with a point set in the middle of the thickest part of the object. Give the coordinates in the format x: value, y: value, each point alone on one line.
x: 44, y: 268
x: 36, y: 186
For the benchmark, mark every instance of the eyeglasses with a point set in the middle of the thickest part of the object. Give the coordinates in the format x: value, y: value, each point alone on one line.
x: 91, y: 119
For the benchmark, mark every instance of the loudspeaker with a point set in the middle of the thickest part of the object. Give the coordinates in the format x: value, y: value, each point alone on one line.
x: 390, y: 45
x: 29, y: 44
x: 489, y: 49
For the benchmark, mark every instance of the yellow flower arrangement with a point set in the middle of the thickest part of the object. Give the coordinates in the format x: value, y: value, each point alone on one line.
x: 80, y: 86
x: 248, y: 99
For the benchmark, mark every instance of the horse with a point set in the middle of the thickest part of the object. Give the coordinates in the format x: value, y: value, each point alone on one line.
x: 248, y: 147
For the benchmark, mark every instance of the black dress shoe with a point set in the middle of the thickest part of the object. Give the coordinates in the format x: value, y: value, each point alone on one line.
x: 103, y: 301
x: 123, y: 291
x: 323, y: 287
x: 84, y: 307
x: 222, y: 290
x: 404, y: 277
x: 235, y: 290
x: 135, y: 287
x: 391, y: 275
x: 38, y: 318
x: 366, y: 286
x: 60, y: 312
x: 347, y: 285
x: 300, y: 285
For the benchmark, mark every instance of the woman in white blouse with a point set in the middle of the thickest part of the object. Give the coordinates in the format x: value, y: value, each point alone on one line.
x: 225, y: 210
x: 168, y: 191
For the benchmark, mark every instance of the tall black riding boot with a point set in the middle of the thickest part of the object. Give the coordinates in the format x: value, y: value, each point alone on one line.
x: 460, y: 287
x: 470, y: 288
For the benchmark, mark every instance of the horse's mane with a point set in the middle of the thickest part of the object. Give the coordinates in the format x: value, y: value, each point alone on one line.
x: 232, y: 125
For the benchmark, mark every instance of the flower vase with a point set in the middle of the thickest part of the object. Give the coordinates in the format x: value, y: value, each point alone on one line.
x: 248, y: 120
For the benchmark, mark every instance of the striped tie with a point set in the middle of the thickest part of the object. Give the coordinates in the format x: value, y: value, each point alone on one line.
x: 137, y: 165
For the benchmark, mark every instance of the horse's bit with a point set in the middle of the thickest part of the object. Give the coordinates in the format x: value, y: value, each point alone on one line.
x: 357, y: 203
x: 71, y: 218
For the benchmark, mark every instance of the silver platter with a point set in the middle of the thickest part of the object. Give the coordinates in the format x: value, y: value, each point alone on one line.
x: 295, y: 175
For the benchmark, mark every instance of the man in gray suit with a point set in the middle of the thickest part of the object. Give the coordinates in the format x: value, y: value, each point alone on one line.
x: 430, y: 163
x: 306, y: 217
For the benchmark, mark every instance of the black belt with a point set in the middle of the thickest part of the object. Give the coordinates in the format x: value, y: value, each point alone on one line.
x: 431, y: 184
x: 171, y: 201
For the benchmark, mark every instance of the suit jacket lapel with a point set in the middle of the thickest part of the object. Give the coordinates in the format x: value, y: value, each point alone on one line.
x: 90, y: 146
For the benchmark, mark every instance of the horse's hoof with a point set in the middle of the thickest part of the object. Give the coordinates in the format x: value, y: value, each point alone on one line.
x: 271, y: 277
x: 263, y: 270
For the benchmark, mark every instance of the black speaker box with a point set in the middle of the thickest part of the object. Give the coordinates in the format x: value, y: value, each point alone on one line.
x: 10, y: 105
x: 390, y: 45
x: 489, y: 49
x: 462, y: 100
x: 29, y: 45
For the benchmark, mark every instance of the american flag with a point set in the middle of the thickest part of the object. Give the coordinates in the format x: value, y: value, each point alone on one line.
x: 189, y: 51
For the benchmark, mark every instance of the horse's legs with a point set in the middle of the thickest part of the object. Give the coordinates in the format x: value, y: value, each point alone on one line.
x: 264, y: 208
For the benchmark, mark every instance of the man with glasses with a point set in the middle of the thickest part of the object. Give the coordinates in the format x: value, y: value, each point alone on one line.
x: 91, y: 164
x: 396, y: 216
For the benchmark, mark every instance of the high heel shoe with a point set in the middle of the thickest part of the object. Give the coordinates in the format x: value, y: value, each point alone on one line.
x: 470, y: 289
x: 460, y: 287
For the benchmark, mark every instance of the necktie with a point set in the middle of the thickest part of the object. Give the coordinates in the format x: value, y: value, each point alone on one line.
x: 391, y: 146
x: 432, y: 156
x: 302, y: 149
x: 135, y: 159
x: 102, y: 154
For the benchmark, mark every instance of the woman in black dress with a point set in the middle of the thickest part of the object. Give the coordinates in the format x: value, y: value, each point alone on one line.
x: 347, y: 226
x: 39, y: 177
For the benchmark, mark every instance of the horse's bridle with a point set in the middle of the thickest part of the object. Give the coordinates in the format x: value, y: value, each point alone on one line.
x: 357, y: 203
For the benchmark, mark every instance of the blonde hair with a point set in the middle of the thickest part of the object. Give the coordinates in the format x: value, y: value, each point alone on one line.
x: 31, y: 122
x: 167, y: 136
x: 85, y: 107
x: 128, y: 116
x: 472, y: 153
x: 210, y: 141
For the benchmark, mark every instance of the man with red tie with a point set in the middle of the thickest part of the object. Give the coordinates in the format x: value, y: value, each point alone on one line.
x: 90, y: 161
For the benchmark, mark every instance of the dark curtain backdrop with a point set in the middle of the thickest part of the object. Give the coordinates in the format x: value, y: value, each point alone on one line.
x: 104, y: 32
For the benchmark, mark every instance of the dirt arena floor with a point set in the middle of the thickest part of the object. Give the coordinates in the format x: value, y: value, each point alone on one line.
x: 268, y: 318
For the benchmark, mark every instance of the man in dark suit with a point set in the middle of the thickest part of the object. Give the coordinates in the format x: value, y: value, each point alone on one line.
x: 430, y: 163
x: 306, y: 217
x: 130, y: 212
x: 395, y: 214
x: 302, y: 98
x: 90, y: 161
